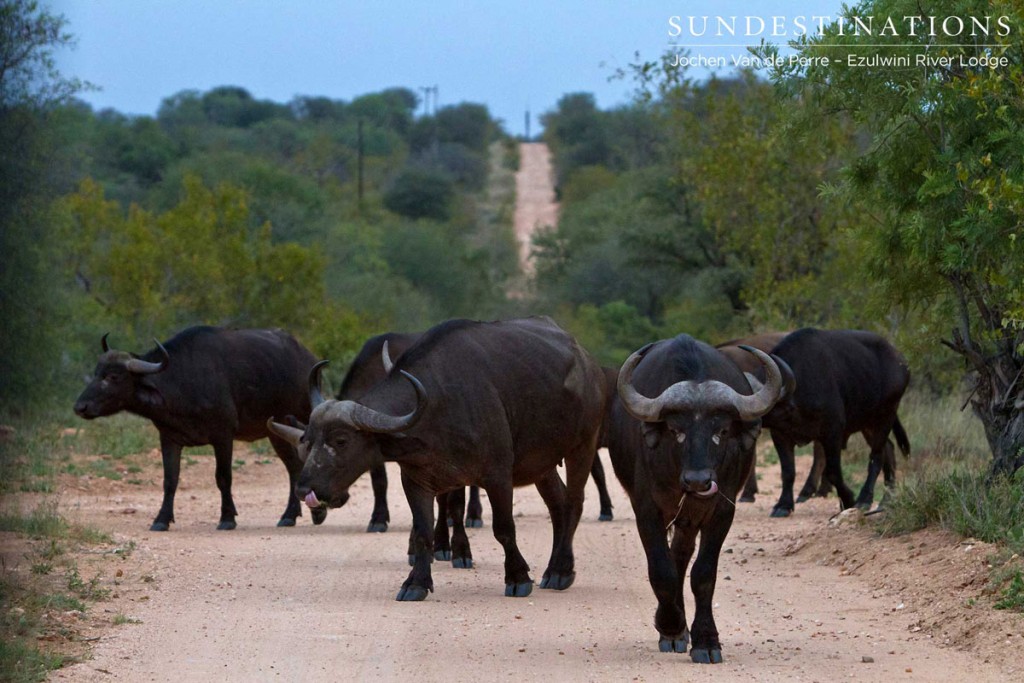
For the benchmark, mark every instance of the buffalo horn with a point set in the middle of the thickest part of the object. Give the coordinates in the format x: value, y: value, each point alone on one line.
x: 760, y: 402
x: 290, y: 434
x: 639, y: 406
x: 370, y: 420
x: 103, y: 342
x: 143, y: 367
x: 315, y: 397
x: 386, y: 357
x: 708, y: 395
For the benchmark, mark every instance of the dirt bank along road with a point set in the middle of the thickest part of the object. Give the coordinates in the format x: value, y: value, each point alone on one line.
x: 795, y: 600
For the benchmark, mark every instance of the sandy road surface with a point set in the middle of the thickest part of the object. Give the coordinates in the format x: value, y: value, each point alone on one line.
x: 262, y: 603
x: 535, y: 197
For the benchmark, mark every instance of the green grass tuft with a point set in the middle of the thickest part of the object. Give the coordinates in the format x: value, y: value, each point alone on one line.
x: 964, y: 502
x: 21, y: 662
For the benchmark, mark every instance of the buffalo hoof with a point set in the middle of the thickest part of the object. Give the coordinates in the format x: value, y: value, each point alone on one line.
x: 226, y: 525
x: 451, y: 522
x: 286, y: 521
x: 376, y: 527
x: 411, y: 594
x: 318, y: 515
x: 558, y: 582
x: 746, y: 499
x: 159, y: 526
x: 802, y: 498
x: 605, y: 517
x: 462, y: 562
x: 703, y: 655
x: 781, y: 512
x: 474, y: 523
x: 412, y: 560
x: 677, y: 644
x: 864, y: 505
x: 518, y: 590
x: 443, y: 555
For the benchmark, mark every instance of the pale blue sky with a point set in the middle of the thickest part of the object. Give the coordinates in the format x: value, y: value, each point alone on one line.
x: 507, y: 55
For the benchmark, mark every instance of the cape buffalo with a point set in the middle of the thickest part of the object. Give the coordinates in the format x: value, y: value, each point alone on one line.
x: 366, y: 371
x: 208, y: 386
x: 683, y: 429
x: 498, y: 405
x: 847, y: 381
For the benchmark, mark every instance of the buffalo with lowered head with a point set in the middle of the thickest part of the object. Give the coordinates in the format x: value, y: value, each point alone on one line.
x: 497, y: 405
x: 208, y: 386
x: 682, y: 433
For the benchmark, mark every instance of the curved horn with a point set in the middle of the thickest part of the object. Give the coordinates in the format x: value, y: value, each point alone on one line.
x: 758, y: 404
x: 315, y: 397
x: 144, y: 367
x: 103, y: 342
x: 370, y: 420
x: 289, y: 434
x: 386, y: 358
x: 636, y: 404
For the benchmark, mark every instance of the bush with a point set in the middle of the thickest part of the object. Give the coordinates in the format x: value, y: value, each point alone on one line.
x: 419, y: 193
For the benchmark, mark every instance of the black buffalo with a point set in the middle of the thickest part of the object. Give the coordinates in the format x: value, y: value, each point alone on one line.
x: 371, y: 365
x: 847, y: 381
x: 683, y: 429
x: 208, y: 386
x: 498, y: 405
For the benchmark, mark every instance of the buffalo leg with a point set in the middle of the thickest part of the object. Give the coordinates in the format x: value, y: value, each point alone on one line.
x: 171, y: 453
x: 706, y: 647
x: 833, y: 445
x: 750, y: 487
x: 475, y: 511
x: 578, y: 467
x: 784, y: 447
x: 442, y: 545
x: 380, y: 517
x: 882, y: 458
x: 291, y: 461
x: 597, y: 474
x: 222, y: 454
x: 460, y: 555
x: 559, y: 573
x: 670, y: 617
x: 421, y: 502
x: 815, y: 485
x: 518, y: 583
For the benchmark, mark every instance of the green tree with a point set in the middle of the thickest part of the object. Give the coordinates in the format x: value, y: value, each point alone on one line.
x: 30, y: 296
x: 941, y: 188
x: 200, y: 261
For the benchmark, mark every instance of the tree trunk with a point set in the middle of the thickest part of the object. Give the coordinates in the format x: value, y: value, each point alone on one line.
x: 1005, y: 434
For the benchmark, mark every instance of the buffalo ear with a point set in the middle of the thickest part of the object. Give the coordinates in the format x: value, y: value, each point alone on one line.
x: 652, y: 432
x: 748, y: 437
x: 148, y: 395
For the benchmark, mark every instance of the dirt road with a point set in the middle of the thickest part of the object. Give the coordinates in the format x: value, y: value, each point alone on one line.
x: 262, y: 603
x: 535, y: 197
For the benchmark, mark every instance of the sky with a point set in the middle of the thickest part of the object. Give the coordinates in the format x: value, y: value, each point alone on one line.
x: 512, y: 56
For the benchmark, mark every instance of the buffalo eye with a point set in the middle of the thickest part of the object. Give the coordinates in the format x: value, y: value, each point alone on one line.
x: 719, y: 435
x: 680, y: 437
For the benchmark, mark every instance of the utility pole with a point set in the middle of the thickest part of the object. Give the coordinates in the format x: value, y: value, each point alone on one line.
x: 527, y: 125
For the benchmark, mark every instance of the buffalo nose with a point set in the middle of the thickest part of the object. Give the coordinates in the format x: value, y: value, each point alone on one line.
x: 697, y: 480
x: 80, y: 408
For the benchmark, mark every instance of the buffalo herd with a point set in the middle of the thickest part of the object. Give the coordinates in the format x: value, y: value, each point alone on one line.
x: 500, y: 405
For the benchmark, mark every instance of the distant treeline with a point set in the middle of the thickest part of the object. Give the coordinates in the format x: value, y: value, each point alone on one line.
x: 231, y: 210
